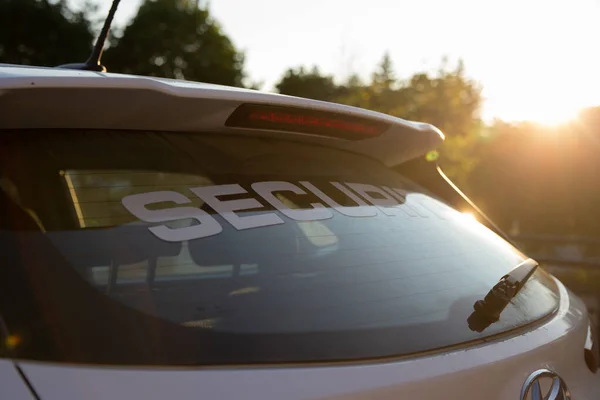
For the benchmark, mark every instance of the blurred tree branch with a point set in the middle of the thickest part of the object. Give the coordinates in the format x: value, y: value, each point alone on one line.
x: 176, y: 39
x: 43, y: 33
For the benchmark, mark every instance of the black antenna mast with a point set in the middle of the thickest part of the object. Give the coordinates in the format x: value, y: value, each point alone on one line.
x: 93, y: 63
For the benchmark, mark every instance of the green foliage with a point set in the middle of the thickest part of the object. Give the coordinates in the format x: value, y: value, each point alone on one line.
x: 176, y: 39
x: 383, y: 78
x: 354, y: 93
x: 43, y: 33
x: 543, y: 179
x: 308, y: 84
x: 447, y: 99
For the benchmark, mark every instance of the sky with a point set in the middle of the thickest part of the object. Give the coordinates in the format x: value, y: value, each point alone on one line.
x: 537, y: 60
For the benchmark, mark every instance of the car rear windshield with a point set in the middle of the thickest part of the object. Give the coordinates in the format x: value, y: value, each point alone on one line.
x: 150, y: 248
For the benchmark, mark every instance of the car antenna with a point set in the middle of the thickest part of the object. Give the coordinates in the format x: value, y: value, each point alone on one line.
x: 93, y: 62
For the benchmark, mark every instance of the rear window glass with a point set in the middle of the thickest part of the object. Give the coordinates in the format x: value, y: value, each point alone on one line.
x: 188, y: 249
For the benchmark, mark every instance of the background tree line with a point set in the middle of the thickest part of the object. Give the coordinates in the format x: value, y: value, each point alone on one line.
x: 527, y: 177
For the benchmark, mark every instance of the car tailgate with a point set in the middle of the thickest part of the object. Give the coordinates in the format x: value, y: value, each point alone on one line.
x: 493, y: 370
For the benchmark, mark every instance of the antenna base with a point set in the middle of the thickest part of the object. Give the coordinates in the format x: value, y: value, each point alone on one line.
x: 93, y: 63
x: 84, y: 67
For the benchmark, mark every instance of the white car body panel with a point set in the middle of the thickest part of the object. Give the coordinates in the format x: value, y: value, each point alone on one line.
x: 493, y: 370
x: 12, y: 385
x: 93, y: 100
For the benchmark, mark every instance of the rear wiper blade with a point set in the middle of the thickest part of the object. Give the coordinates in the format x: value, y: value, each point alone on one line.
x: 488, y: 310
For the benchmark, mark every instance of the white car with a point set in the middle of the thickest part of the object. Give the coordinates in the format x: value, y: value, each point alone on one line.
x: 163, y: 239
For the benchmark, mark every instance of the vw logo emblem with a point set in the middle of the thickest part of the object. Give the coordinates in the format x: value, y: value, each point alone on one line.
x: 544, y: 384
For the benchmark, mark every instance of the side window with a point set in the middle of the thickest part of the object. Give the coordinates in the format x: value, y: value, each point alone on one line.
x: 96, y: 195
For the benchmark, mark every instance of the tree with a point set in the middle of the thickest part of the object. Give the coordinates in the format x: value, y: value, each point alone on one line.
x: 38, y: 32
x: 176, y: 39
x: 385, y: 93
x: 383, y: 78
x: 308, y: 84
x: 355, y: 93
x: 541, y: 179
x: 451, y: 101
x: 446, y: 99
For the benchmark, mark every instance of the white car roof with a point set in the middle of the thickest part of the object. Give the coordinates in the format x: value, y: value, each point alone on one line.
x: 41, y: 98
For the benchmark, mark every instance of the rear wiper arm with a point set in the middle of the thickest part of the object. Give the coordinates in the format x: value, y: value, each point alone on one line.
x: 488, y: 310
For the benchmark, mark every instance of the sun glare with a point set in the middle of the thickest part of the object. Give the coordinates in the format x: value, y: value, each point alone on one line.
x: 537, y: 106
x: 468, y: 216
x: 541, y: 112
x: 555, y: 116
